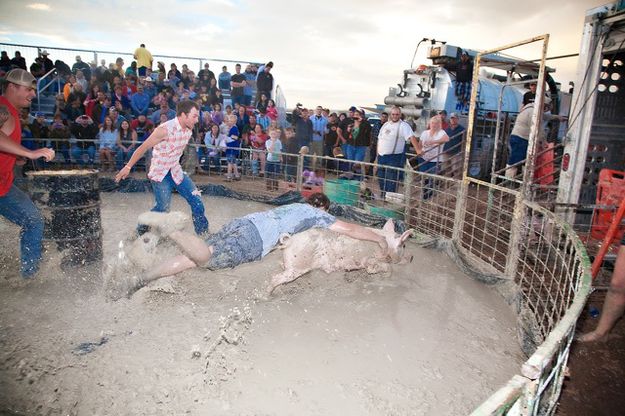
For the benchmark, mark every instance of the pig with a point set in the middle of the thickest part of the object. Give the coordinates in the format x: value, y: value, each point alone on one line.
x: 329, y: 251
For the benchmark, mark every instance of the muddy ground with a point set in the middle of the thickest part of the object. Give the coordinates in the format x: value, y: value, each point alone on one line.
x: 425, y: 339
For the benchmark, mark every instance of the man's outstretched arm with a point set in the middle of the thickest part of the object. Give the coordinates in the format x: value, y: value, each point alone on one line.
x: 360, y: 233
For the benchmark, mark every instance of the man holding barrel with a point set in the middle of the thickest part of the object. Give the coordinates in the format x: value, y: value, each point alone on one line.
x: 18, y: 90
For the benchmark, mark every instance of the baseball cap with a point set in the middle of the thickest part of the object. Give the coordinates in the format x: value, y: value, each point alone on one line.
x: 453, y: 115
x: 45, y: 52
x: 20, y: 77
x: 352, y: 108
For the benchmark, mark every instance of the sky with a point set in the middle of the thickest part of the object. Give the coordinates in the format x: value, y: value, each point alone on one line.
x: 330, y: 53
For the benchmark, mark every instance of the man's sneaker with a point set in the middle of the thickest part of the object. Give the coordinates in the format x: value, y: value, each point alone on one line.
x: 164, y: 222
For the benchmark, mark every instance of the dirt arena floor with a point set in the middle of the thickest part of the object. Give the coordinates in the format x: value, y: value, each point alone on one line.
x: 424, y: 340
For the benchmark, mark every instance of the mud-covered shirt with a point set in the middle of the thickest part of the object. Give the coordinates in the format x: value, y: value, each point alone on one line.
x: 288, y: 219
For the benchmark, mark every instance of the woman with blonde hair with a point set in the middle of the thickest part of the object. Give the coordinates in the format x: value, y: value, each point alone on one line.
x: 432, y: 141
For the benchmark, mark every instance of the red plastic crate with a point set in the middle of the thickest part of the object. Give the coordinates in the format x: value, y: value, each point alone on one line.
x: 610, y: 191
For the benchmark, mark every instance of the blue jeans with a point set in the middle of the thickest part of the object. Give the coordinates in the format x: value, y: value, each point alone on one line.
x: 517, y: 149
x: 17, y: 207
x: 77, y: 154
x: 388, y: 178
x: 272, y: 170
x: 428, y: 184
x: 236, y: 243
x: 162, y: 196
x: 63, y: 149
x: 123, y: 157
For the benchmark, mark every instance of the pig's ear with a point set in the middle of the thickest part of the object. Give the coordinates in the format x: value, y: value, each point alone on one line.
x: 389, y: 226
x: 405, y: 236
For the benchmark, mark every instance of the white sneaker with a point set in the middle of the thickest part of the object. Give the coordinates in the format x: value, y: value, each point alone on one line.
x: 164, y: 222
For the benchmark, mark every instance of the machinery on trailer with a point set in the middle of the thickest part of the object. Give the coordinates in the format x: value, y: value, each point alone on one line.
x: 427, y: 89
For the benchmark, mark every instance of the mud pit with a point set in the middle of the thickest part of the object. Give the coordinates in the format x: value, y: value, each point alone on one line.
x: 425, y: 340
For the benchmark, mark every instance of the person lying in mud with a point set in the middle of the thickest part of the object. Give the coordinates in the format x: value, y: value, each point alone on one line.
x: 240, y: 241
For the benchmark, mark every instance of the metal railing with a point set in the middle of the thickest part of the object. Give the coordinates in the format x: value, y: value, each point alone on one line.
x: 30, y: 52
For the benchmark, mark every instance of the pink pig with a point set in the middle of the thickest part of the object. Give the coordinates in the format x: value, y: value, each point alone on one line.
x: 329, y: 251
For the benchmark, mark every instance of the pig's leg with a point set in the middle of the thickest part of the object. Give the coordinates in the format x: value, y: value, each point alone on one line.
x: 285, y: 277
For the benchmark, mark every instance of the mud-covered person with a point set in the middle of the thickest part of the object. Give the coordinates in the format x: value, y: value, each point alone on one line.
x: 18, y: 90
x: 242, y: 240
x: 168, y: 142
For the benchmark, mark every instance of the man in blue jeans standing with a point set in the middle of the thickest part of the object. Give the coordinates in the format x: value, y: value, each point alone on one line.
x: 392, y: 139
x: 168, y: 142
x: 18, y: 90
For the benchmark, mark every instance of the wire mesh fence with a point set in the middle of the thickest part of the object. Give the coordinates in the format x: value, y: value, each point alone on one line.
x: 497, y: 231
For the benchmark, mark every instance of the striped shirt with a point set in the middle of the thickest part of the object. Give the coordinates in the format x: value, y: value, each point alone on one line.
x: 166, y: 154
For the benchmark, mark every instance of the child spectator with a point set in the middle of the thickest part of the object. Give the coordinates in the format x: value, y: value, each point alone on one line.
x: 233, y: 143
x: 257, y: 141
x: 263, y: 120
x: 217, y: 115
x: 272, y: 111
x: 274, y: 158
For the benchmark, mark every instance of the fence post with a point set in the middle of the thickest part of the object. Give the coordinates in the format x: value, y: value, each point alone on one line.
x: 408, y: 178
x: 518, y: 214
x: 300, y: 173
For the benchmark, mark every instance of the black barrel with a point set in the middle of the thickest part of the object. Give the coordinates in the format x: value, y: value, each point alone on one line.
x: 69, y: 201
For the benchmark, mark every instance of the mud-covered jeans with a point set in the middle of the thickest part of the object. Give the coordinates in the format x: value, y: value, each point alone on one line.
x: 17, y: 207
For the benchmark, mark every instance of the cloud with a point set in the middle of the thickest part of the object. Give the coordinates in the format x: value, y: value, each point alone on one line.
x: 206, y: 29
x: 327, y: 52
x: 39, y: 6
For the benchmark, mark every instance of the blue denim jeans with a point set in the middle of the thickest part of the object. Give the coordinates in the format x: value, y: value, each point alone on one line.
x: 77, y: 154
x: 162, y: 196
x: 122, y: 157
x: 388, y: 178
x: 428, y: 184
x: 17, y: 207
x: 236, y: 243
x: 272, y: 170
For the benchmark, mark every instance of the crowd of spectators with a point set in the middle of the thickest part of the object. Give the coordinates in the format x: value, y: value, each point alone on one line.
x: 105, y: 112
x: 109, y: 110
